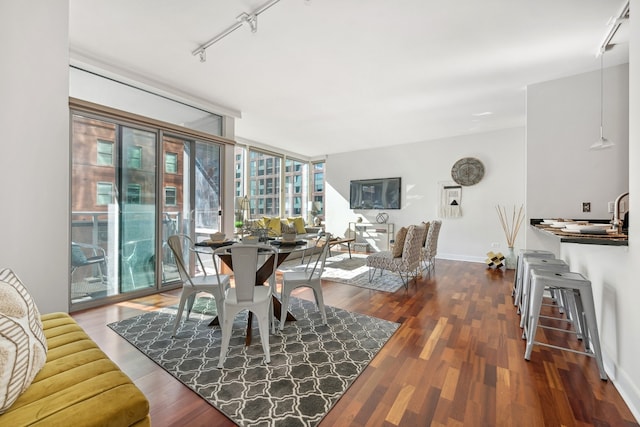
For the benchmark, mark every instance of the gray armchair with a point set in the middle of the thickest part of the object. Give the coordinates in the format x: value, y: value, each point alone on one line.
x: 407, y: 265
x: 430, y: 249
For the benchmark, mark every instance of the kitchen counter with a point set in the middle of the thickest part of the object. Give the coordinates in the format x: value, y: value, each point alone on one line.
x: 586, y: 239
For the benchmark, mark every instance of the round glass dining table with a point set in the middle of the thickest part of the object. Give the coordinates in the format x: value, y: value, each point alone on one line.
x: 284, y: 249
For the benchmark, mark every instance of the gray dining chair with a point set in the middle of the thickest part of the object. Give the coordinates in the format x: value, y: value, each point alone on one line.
x: 192, y: 285
x: 246, y: 294
x: 309, y: 277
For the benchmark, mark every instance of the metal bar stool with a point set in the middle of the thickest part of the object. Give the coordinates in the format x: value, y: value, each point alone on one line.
x: 553, y: 265
x: 516, y: 292
x: 581, y: 288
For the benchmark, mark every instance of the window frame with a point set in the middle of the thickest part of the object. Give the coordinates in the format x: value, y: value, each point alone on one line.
x: 175, y: 195
x: 293, y: 172
x: 136, y: 188
x: 100, y: 194
x: 138, y: 158
x: 100, y: 153
x: 174, y: 164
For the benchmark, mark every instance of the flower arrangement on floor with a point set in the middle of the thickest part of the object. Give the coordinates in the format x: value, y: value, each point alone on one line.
x: 510, y: 226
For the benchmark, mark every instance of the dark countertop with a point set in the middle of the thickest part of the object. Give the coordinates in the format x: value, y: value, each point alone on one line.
x: 585, y: 239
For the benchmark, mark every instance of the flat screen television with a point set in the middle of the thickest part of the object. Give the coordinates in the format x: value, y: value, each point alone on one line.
x: 382, y: 193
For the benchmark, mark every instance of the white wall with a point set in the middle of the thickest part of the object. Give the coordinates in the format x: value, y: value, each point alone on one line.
x: 422, y: 166
x: 563, y: 120
x: 34, y: 166
x: 611, y: 271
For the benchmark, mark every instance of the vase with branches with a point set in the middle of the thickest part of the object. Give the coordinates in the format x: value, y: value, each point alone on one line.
x: 510, y: 225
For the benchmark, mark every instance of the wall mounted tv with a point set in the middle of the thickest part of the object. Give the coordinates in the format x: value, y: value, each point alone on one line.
x: 382, y: 193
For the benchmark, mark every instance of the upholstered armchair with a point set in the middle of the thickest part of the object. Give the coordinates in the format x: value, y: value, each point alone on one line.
x: 430, y: 249
x: 406, y: 263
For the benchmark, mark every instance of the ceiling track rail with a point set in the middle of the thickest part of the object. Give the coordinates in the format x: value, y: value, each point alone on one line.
x: 615, y: 25
x: 243, y: 18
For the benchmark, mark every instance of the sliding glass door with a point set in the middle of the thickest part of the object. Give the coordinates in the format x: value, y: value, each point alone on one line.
x: 176, y: 203
x: 136, y: 179
x: 191, y: 203
x: 208, y: 209
x: 132, y: 187
x: 95, y: 209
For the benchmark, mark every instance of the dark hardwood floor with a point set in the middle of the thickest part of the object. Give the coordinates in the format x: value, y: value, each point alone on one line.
x: 457, y: 360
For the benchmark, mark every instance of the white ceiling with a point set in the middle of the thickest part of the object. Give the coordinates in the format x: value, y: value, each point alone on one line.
x: 329, y: 76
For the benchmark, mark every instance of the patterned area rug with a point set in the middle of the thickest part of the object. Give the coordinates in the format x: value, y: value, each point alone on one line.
x: 312, y: 364
x: 352, y: 271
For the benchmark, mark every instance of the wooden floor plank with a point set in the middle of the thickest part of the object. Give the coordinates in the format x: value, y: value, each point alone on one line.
x: 457, y: 360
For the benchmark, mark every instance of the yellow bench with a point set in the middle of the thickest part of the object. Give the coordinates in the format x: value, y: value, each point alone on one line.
x: 78, y: 386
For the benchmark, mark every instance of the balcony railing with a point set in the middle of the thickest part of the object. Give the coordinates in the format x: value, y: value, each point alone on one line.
x: 130, y: 265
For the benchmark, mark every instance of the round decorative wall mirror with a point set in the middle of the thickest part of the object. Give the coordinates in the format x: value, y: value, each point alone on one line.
x: 467, y: 171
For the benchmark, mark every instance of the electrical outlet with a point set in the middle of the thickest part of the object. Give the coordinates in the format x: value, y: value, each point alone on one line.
x: 495, y: 245
x: 586, y: 206
x: 610, y: 207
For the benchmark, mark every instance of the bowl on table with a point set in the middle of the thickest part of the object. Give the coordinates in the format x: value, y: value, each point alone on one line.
x: 574, y: 226
x: 217, y: 237
x: 600, y: 225
x: 251, y: 240
x: 587, y: 228
x: 562, y: 224
x: 289, y: 237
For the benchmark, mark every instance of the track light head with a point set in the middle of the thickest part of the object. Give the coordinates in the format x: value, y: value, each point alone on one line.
x: 602, y: 144
x: 252, y: 20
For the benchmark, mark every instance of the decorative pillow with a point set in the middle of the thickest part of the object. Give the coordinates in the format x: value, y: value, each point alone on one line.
x: 23, y: 346
x: 298, y: 222
x: 273, y: 225
x: 259, y: 223
x: 398, y: 244
x: 426, y: 232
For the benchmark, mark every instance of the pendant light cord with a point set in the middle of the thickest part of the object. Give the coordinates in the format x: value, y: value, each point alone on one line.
x: 602, y: 94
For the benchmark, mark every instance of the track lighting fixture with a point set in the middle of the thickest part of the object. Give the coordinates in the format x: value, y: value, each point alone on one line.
x: 603, y: 143
x: 614, y: 25
x: 250, y: 19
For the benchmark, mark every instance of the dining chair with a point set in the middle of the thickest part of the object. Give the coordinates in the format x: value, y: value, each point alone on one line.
x: 192, y: 285
x: 247, y: 294
x: 309, y: 277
